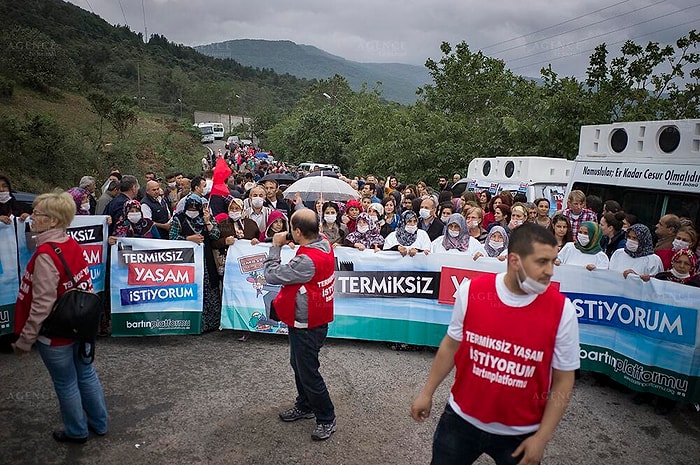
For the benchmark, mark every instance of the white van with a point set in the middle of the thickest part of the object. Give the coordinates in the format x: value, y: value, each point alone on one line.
x: 312, y: 166
x: 218, y: 130
x: 650, y: 167
x: 207, y: 131
x: 537, y: 177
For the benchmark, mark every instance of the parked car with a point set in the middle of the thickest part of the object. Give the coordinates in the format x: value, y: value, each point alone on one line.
x: 231, y: 141
x: 25, y: 200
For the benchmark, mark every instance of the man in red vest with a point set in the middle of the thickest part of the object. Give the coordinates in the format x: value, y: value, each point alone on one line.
x: 305, y: 305
x: 514, y: 342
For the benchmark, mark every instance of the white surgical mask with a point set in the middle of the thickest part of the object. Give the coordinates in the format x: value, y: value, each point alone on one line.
x: 530, y: 286
x: 411, y: 229
x: 632, y: 245
x: 424, y: 213
x: 453, y: 233
x: 172, y: 185
x: 517, y: 222
x: 257, y: 202
x: 235, y: 216
x: 374, y: 218
x: 85, y: 206
x: 496, y: 245
x: 362, y: 229
x: 134, y: 217
x: 583, y: 239
x: 4, y: 196
x: 330, y: 218
x: 679, y: 244
x: 473, y: 224
x: 192, y: 214
x: 678, y: 275
x: 208, y: 186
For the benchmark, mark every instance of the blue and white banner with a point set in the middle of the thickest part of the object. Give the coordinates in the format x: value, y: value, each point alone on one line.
x: 642, y: 334
x: 17, y: 248
x: 156, y: 287
x: 9, y: 274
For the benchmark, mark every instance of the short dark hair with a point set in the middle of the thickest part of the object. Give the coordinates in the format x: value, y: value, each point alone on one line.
x: 614, y: 220
x: 527, y: 234
x: 127, y: 183
x: 595, y: 203
x: 116, y: 174
x: 612, y: 206
x: 172, y: 175
x: 196, y: 181
x: 113, y: 185
x: 307, y: 224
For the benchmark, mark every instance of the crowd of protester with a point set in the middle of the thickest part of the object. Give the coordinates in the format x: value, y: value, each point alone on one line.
x: 241, y: 198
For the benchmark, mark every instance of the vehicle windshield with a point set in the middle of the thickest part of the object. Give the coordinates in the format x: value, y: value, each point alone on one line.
x: 207, y: 130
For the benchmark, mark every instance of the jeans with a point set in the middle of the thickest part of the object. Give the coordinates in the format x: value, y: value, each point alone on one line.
x: 78, y: 389
x: 304, y: 345
x: 456, y: 441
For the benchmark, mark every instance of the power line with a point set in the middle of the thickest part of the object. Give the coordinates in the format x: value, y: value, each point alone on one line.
x: 599, y: 35
x: 694, y: 21
x: 145, y: 29
x: 126, y: 23
x: 555, y: 25
x: 90, y: 6
x: 585, y: 26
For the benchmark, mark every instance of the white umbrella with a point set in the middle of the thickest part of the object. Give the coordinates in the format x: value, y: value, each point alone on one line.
x: 311, y: 188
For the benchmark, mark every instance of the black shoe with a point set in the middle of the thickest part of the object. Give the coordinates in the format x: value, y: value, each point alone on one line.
x: 294, y: 414
x: 61, y: 436
x: 94, y: 431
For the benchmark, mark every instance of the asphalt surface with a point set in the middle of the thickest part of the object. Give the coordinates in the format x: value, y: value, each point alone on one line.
x: 213, y: 399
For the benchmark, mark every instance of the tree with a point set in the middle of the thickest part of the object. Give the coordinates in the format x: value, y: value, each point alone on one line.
x: 122, y: 115
x: 646, y: 83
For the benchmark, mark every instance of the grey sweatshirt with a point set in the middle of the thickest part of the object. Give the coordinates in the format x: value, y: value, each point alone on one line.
x: 299, y: 270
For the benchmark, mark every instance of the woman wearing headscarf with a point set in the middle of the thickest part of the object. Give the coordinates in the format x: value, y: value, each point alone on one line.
x: 81, y: 199
x: 232, y: 226
x: 684, y: 269
x: 132, y: 223
x: 196, y: 224
x: 366, y: 235
x: 276, y: 222
x: 456, y: 238
x: 331, y: 225
x: 408, y: 239
x: 495, y: 245
x: 8, y: 204
x: 638, y: 256
x: 585, y: 250
x: 353, y: 208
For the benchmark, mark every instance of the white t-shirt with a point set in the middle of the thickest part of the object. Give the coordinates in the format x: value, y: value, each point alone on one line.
x: 474, y: 247
x: 570, y: 255
x: 566, y: 346
x: 422, y: 241
x: 649, y: 264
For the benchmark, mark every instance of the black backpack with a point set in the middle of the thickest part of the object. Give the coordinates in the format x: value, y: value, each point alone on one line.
x: 75, y: 315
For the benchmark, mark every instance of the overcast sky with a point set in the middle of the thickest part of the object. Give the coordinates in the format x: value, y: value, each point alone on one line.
x: 409, y: 31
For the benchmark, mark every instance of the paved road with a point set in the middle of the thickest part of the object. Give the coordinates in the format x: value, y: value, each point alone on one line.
x: 213, y: 399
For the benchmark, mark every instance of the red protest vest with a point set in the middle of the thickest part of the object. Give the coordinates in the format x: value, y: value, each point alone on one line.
x: 73, y: 254
x: 503, y: 364
x: 319, y: 290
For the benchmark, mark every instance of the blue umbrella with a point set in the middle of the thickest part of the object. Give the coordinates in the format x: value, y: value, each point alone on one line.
x: 261, y: 155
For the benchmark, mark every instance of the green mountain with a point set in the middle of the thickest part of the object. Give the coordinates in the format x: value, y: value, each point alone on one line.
x: 60, y: 45
x: 399, y: 81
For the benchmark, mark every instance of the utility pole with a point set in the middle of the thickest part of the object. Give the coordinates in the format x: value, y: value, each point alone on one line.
x: 138, y: 84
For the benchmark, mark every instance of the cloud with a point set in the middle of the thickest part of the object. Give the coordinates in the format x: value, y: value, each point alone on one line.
x: 411, y: 31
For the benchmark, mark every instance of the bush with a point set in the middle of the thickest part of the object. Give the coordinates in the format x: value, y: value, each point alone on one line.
x: 7, y: 87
